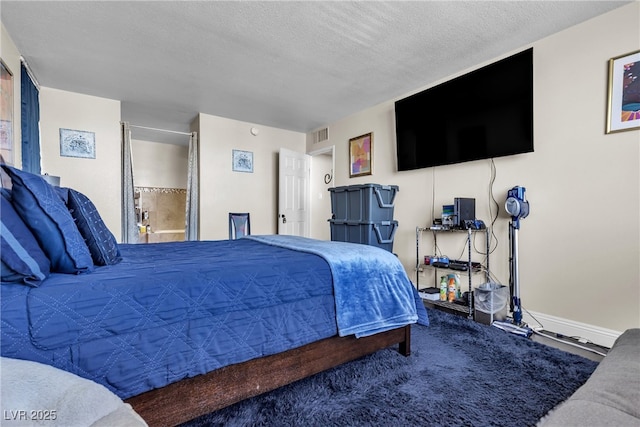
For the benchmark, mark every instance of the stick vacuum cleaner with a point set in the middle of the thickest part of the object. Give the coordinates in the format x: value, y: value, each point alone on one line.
x: 518, y: 207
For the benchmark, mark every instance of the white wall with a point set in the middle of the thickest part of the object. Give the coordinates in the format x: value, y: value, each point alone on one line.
x: 580, y: 247
x: 159, y: 165
x: 223, y: 191
x: 99, y: 178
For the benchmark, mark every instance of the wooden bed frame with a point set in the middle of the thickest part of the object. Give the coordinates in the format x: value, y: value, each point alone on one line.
x: 187, y: 399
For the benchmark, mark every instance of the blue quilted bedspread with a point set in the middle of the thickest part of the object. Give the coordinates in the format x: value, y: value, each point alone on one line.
x: 170, y: 311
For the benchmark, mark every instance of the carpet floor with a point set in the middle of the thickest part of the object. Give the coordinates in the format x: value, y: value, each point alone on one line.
x: 460, y: 373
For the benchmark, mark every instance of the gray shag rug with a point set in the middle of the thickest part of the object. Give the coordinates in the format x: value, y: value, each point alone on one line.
x: 460, y: 373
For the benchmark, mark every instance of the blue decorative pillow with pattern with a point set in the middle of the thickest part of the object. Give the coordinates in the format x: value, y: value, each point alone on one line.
x: 101, y: 242
x: 23, y: 261
x: 46, y: 215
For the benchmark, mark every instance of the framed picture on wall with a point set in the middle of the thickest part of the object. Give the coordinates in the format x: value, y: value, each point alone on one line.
x: 77, y: 143
x: 361, y: 155
x: 242, y: 161
x: 6, y: 113
x: 623, y: 97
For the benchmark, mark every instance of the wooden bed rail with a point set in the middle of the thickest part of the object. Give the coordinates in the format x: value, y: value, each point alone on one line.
x: 187, y: 399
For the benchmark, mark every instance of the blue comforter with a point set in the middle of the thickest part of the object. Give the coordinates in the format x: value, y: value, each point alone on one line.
x: 170, y: 311
x: 373, y: 293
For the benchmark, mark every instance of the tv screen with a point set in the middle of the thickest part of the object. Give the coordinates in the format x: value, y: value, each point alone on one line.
x: 484, y: 114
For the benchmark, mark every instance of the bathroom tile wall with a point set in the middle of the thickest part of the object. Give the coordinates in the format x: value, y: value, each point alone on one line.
x: 166, y: 213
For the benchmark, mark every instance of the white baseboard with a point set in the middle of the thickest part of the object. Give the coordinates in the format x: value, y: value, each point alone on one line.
x: 570, y: 328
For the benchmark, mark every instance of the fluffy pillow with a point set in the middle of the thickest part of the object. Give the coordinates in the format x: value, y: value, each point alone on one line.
x: 22, y: 258
x: 101, y: 242
x: 47, y: 217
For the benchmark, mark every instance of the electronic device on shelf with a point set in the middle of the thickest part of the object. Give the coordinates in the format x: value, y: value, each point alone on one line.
x: 439, y: 227
x: 460, y: 266
x: 430, y: 294
x: 457, y: 264
x: 440, y: 262
x: 464, y: 209
x: 448, y: 215
x: 476, y: 224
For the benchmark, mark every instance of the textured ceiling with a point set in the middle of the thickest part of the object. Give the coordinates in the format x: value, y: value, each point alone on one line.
x: 291, y: 65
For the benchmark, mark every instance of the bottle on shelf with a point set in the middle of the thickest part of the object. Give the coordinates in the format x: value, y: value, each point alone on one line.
x: 452, y: 289
x: 443, y: 288
x: 456, y: 278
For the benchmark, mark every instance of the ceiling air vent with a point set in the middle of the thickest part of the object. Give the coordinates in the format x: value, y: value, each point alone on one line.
x: 321, y: 135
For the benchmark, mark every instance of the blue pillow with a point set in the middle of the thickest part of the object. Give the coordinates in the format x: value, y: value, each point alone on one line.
x: 47, y: 217
x: 22, y: 259
x: 101, y: 242
x: 63, y: 193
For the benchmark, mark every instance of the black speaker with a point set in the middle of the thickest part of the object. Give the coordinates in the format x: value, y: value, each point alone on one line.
x: 464, y: 209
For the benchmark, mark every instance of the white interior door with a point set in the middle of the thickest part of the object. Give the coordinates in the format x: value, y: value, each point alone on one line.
x: 293, y: 197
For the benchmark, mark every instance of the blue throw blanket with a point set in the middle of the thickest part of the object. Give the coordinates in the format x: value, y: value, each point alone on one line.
x: 372, y: 291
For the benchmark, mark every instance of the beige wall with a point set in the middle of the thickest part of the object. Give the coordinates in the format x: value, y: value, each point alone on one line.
x: 11, y: 58
x: 99, y: 178
x: 580, y: 247
x: 159, y: 165
x: 223, y: 191
x: 321, y: 165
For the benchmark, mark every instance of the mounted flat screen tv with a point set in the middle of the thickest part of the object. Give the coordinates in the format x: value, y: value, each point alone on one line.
x: 484, y: 114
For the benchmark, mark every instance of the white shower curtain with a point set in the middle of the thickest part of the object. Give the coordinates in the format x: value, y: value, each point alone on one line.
x: 129, y: 223
x: 191, y: 218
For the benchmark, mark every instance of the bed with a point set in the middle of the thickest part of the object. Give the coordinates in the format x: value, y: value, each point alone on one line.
x: 191, y: 327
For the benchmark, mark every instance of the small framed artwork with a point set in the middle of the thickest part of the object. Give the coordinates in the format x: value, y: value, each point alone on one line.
x: 623, y: 97
x: 77, y: 143
x: 6, y: 113
x: 361, y: 155
x: 242, y: 161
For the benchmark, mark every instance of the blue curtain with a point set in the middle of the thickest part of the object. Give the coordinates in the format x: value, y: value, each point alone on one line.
x: 30, y: 111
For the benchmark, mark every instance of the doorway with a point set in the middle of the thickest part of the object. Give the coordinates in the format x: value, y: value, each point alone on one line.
x: 161, y: 163
x: 322, y: 178
x: 304, y: 204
